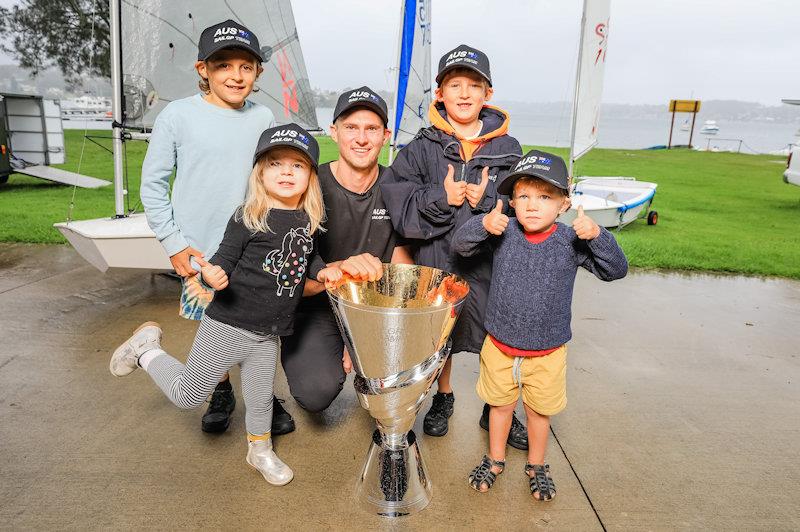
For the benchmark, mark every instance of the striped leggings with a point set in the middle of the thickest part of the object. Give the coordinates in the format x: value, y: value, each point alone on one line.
x: 218, y: 347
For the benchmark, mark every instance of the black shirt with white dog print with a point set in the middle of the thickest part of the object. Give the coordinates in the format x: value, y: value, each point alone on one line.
x: 266, y: 272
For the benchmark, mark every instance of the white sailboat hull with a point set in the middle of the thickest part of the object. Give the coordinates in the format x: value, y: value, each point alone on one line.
x: 116, y: 243
x: 610, y: 201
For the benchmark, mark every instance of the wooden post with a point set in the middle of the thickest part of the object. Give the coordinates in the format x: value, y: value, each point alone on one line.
x: 691, y: 131
x: 671, y: 125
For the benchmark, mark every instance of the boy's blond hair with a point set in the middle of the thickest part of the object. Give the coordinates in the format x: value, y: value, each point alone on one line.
x: 468, y: 72
x: 202, y: 83
x: 536, y: 182
x: 258, y: 202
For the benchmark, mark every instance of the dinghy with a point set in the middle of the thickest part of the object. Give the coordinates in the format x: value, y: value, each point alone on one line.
x: 612, y: 202
x: 156, y: 41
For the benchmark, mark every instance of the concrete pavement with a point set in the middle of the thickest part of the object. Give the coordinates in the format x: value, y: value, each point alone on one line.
x: 683, y: 414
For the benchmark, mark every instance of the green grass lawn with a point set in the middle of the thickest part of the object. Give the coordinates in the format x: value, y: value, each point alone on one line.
x: 717, y: 211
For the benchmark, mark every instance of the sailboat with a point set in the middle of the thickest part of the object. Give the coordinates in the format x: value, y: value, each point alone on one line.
x: 609, y: 201
x: 153, y: 51
x: 412, y: 96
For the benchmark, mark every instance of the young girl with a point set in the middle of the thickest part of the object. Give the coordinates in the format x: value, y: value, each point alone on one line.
x: 259, y: 271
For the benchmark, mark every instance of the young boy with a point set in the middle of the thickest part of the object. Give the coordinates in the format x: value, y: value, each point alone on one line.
x: 528, y: 314
x: 444, y: 177
x: 209, y: 140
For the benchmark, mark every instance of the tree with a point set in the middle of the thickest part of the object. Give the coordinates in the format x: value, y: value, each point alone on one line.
x: 44, y: 33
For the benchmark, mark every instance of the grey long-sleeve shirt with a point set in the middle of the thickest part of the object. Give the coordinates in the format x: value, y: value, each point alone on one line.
x: 531, y: 293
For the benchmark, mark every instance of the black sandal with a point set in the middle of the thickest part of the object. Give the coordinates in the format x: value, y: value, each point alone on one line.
x: 483, y: 474
x: 541, y: 482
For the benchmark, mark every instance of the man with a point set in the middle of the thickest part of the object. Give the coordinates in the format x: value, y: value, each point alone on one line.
x: 313, y: 358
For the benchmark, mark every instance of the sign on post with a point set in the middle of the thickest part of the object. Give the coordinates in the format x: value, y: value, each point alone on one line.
x: 683, y: 106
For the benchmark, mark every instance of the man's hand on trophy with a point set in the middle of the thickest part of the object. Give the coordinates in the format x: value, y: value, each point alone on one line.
x: 363, y: 267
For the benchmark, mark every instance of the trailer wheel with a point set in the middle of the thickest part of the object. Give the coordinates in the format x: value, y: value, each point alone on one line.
x: 652, y: 218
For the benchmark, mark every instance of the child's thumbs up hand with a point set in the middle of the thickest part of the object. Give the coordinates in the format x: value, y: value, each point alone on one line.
x: 496, y: 222
x: 456, y: 191
x: 585, y: 227
x: 213, y: 275
x: 475, y: 192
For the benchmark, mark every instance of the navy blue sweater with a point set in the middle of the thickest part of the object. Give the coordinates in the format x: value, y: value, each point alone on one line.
x: 531, y: 292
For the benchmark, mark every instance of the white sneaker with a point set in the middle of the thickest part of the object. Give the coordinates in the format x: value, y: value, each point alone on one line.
x: 125, y: 358
x: 261, y: 456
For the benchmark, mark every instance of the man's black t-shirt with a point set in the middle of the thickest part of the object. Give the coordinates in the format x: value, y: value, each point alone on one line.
x: 356, y: 223
x: 266, y: 272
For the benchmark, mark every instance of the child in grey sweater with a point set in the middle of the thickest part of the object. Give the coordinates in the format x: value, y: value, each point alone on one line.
x: 528, y: 313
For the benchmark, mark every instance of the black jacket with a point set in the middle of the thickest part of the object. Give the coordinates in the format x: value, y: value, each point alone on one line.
x: 415, y: 197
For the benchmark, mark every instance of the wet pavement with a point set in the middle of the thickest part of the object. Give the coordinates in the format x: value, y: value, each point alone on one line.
x: 684, y: 413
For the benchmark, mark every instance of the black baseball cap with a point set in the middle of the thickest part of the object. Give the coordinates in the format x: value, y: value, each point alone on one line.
x: 228, y: 34
x: 463, y: 56
x: 546, y: 166
x: 363, y: 97
x: 290, y: 135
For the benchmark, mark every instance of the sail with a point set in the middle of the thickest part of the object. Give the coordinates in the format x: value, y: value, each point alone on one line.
x: 589, y: 82
x: 159, y: 50
x: 413, y: 89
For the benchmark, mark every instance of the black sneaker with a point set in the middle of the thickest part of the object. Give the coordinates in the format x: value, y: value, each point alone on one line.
x: 436, y: 419
x: 282, y: 422
x: 517, y: 436
x: 218, y: 416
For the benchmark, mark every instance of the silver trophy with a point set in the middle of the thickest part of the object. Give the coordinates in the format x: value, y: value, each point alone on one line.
x: 396, y: 330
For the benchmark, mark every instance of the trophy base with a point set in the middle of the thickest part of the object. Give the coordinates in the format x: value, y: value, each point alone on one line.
x: 394, y: 482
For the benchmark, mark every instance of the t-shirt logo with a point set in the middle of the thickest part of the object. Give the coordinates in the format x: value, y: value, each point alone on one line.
x: 289, y: 263
x: 380, y: 214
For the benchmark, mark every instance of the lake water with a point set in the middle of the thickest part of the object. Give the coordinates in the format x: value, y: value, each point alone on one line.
x: 615, y: 132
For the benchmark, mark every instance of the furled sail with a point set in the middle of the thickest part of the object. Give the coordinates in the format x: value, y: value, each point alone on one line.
x: 413, y: 88
x: 159, y: 50
x: 589, y: 82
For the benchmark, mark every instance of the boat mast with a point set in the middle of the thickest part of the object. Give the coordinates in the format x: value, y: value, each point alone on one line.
x: 116, y: 106
x: 393, y: 123
x: 575, y: 96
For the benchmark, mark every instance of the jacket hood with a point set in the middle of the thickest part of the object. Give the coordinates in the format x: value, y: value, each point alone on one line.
x: 495, y: 124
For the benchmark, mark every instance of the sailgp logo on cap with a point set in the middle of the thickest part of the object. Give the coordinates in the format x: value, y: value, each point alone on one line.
x: 461, y: 56
x: 533, y: 161
x: 289, y: 135
x: 360, y: 95
x: 230, y: 33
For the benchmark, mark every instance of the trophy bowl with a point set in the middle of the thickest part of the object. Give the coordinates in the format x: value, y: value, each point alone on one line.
x: 396, y: 330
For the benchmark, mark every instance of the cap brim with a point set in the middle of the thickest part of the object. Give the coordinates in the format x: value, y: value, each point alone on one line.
x: 441, y: 74
x: 507, y: 186
x: 274, y: 145
x: 374, y: 107
x: 234, y: 45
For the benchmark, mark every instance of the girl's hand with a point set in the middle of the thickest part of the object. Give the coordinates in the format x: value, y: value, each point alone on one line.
x: 364, y: 267
x: 330, y: 276
x: 214, y: 276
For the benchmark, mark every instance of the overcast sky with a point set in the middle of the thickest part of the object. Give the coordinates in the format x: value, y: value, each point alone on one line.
x: 658, y: 49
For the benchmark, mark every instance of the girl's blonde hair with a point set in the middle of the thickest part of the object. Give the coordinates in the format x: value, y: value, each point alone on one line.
x: 258, y: 202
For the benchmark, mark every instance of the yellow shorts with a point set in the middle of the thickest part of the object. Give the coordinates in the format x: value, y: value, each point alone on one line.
x: 543, y: 379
